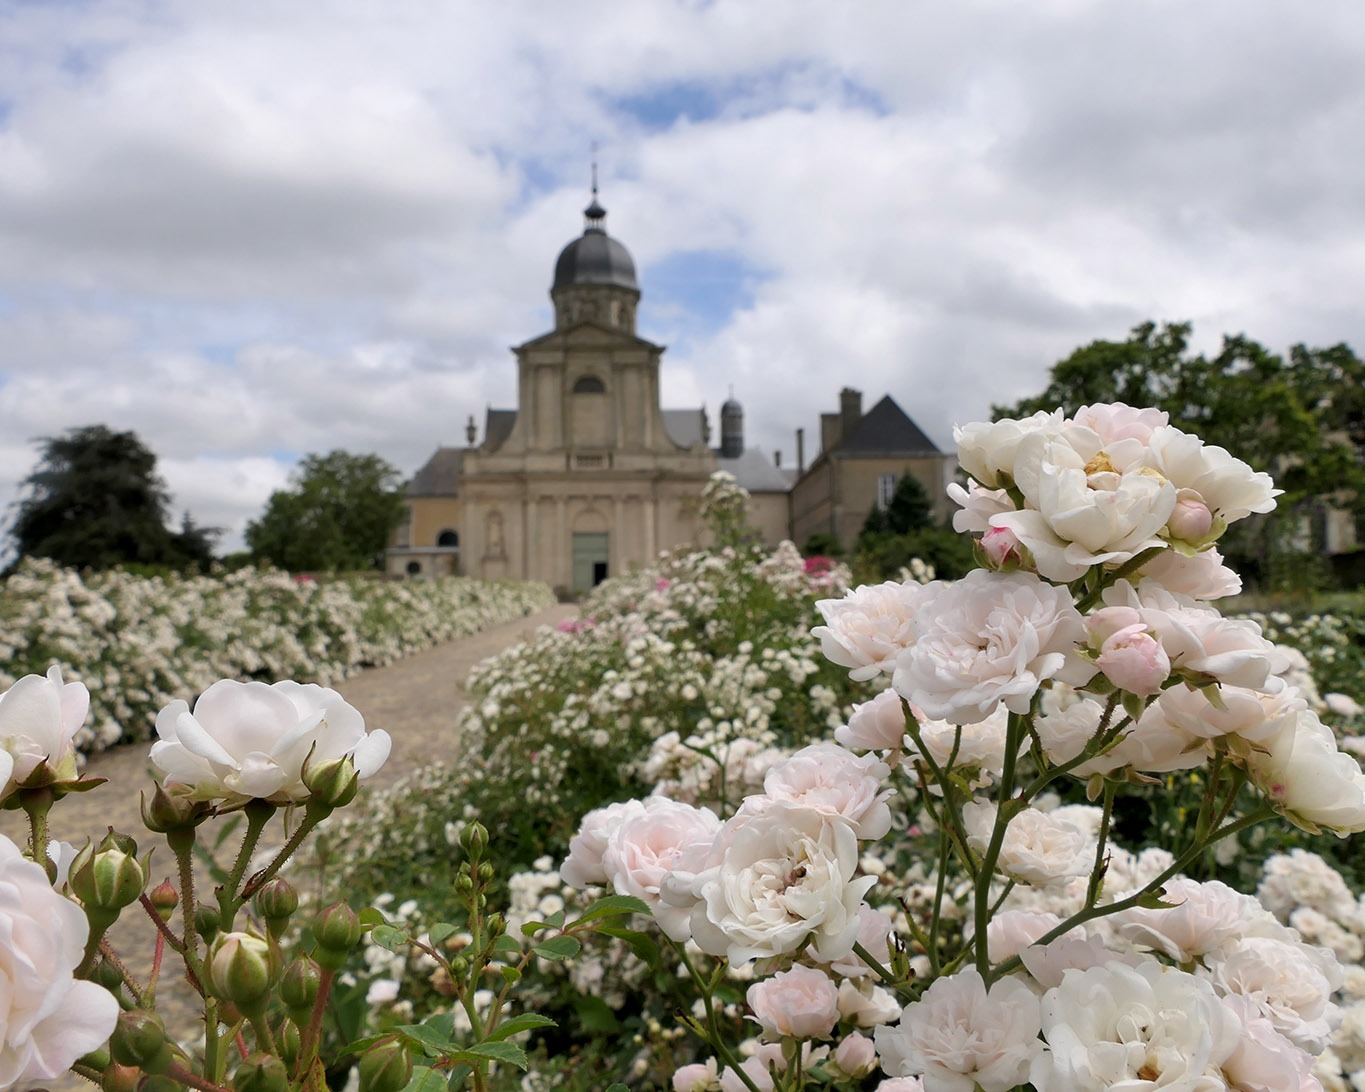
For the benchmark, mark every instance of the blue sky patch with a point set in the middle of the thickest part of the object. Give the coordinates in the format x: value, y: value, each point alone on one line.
x: 698, y: 289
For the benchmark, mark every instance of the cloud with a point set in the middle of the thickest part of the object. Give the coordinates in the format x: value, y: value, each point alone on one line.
x: 249, y: 231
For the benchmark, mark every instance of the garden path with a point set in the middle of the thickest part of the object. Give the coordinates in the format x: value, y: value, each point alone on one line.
x: 416, y: 700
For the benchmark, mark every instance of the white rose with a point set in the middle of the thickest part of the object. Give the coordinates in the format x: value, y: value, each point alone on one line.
x: 1265, y: 1061
x: 1302, y: 772
x: 250, y: 740
x: 830, y: 779
x: 1290, y: 983
x: 979, y: 747
x: 39, y: 718
x: 876, y: 725
x: 583, y: 866
x: 865, y: 1004
x: 1114, y: 421
x: 1038, y: 847
x: 986, y: 449
x: 1011, y: 931
x: 1228, y: 486
x: 960, y: 1036
x: 1149, y: 1026
x: 775, y: 878
x: 1205, y: 917
x: 49, y: 1018
x: 802, y: 1003
x: 866, y: 629
x: 647, y: 845
x: 987, y: 640
x: 1201, y: 576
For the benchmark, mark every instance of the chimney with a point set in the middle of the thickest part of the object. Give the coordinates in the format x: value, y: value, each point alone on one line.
x: 831, y: 431
x: 777, y: 459
x: 850, y: 412
x: 800, y: 451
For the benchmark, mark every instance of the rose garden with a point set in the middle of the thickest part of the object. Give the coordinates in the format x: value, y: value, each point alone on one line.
x: 1061, y: 824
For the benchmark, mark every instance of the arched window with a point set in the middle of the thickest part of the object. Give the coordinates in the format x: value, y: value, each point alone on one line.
x: 589, y: 384
x: 448, y: 538
x: 414, y: 568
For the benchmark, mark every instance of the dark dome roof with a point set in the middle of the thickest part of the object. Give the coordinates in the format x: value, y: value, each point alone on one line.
x: 595, y: 257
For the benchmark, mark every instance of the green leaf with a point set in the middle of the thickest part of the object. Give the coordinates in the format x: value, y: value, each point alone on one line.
x: 442, y: 930
x: 511, y: 975
x: 434, y: 1036
x: 386, y: 936
x: 642, y: 944
x: 560, y: 947
x: 372, y: 916
x: 525, y: 1022
x: 426, y: 1079
x: 509, y: 1053
x: 531, y: 928
x: 507, y: 945
x: 613, y: 906
x: 594, y: 1014
x: 617, y: 1087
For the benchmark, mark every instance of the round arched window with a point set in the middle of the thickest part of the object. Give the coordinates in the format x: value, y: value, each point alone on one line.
x: 448, y: 538
x: 588, y: 384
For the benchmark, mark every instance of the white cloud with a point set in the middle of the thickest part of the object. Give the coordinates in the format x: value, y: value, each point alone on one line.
x: 246, y: 230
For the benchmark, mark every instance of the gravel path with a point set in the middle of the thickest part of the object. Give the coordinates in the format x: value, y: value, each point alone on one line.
x: 416, y: 700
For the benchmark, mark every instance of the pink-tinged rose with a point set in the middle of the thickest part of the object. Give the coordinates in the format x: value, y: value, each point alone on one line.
x: 1203, y: 576
x: 1203, y: 919
x: 865, y: 1004
x: 801, y: 1003
x: 1114, y: 421
x: 855, y: 1055
x: 1011, y: 931
x: 1290, y: 983
x: 1002, y: 549
x: 987, y: 640
x: 1265, y: 1061
x: 1134, y: 661
x: 977, y: 750
x: 902, y: 1084
x: 697, y: 1077
x: 647, y: 846
x: 1147, y: 1027
x: 1302, y: 772
x: 978, y: 507
x: 48, y: 1018
x: 874, y: 934
x: 249, y: 740
x: 775, y: 878
x: 876, y: 725
x: 866, y: 629
x: 39, y: 718
x: 1244, y: 713
x: 583, y: 866
x: 1191, y: 521
x: 959, y: 1036
x: 836, y: 782
x: 1048, y: 964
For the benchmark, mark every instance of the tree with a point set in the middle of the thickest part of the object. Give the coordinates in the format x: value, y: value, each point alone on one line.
x: 1300, y: 417
x: 337, y: 516
x: 95, y: 501
x: 905, y: 529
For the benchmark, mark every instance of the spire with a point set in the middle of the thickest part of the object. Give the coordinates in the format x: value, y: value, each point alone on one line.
x: 594, y: 216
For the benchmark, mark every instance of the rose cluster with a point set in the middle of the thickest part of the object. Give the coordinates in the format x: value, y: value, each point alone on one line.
x: 1086, y: 647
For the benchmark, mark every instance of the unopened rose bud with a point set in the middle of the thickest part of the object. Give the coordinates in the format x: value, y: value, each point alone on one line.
x: 108, y: 876
x: 385, y: 1067
x: 139, y: 1039
x: 299, y: 987
x: 288, y: 1039
x: 1133, y: 660
x: 206, y: 921
x: 120, y: 1078
x: 1002, y: 549
x: 856, y: 1055
x: 241, y: 969
x: 1191, y: 521
x: 165, y: 813
x: 106, y: 974
x: 333, y: 784
x: 474, y: 839
x: 336, y: 930
x: 276, y: 903
x: 261, y: 1073
x: 164, y: 899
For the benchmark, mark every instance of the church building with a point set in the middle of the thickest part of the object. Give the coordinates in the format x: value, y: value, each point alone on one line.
x: 589, y: 476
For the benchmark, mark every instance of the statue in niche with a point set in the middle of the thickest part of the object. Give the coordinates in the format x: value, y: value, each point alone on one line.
x: 496, y: 548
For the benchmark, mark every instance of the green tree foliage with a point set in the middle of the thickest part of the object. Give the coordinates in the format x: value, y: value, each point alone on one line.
x: 337, y: 516
x: 95, y: 501
x: 1300, y: 417
x: 905, y: 529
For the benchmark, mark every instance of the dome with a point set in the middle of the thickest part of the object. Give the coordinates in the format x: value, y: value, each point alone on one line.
x: 595, y: 257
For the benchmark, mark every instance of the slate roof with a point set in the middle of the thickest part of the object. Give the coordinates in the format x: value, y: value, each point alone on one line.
x: 886, y: 430
x: 756, y: 472
x: 497, y: 426
x: 684, y: 426
x: 440, y: 477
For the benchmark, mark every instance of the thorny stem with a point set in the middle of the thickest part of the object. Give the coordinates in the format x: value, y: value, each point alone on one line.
x: 314, y: 814
x: 1092, y: 891
x: 727, y: 1056
x: 193, y: 1080
x: 137, y: 992
x: 258, y: 814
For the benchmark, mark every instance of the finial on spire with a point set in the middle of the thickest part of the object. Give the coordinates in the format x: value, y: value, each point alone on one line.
x: 594, y: 215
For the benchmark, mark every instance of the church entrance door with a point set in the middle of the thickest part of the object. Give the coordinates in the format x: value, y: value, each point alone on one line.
x: 590, y: 555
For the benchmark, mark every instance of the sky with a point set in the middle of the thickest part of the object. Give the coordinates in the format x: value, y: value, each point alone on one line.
x: 249, y: 231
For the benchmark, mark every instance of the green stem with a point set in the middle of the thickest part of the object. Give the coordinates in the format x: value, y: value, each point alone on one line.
x: 1132, y: 565
x: 1014, y: 737
x: 37, y: 804
x: 727, y: 1057
x: 193, y: 1080
x: 258, y: 814
x: 314, y: 813
x: 1092, y: 891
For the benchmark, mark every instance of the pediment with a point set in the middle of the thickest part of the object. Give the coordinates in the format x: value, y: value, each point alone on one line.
x: 589, y: 335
